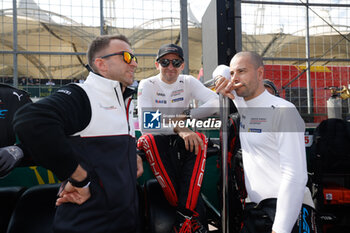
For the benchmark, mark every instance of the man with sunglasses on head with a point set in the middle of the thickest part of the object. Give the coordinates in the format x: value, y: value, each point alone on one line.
x: 176, y: 154
x: 84, y: 134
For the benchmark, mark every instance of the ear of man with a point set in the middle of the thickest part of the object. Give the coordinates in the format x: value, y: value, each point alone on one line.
x: 157, y: 65
x: 260, y: 73
x: 100, y: 65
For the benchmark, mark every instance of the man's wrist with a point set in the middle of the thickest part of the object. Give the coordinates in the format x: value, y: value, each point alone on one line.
x: 80, y: 184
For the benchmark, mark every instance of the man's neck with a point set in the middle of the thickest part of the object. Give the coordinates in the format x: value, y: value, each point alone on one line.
x: 121, y: 85
x: 168, y: 81
x: 257, y: 93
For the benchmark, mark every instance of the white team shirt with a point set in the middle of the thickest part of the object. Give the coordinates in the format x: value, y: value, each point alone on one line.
x: 274, y: 156
x: 173, y: 99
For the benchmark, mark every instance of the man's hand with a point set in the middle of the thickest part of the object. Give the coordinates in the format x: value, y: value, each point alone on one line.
x: 139, y: 166
x: 225, y: 86
x: 69, y: 193
x: 72, y: 194
x: 192, y: 141
x: 10, y: 156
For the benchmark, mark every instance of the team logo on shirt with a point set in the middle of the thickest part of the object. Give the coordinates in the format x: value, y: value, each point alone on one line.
x: 177, y: 92
x: 64, y: 92
x: 242, y: 125
x: 3, y: 113
x: 254, y: 130
x: 304, y: 227
x: 160, y: 101
x: 257, y: 120
x: 177, y: 100
x: 107, y: 107
x: 18, y: 95
x: 151, y: 119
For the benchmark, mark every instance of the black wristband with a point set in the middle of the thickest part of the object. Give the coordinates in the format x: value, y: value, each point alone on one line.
x: 79, y: 184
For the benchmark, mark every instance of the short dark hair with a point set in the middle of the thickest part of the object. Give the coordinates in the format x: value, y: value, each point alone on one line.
x: 100, y: 43
x: 255, y: 58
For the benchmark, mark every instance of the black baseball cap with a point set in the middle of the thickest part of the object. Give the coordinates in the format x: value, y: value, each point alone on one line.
x: 170, y: 48
x: 269, y: 83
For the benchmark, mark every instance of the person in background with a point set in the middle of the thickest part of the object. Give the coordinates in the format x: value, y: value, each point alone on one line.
x: 11, y: 99
x: 50, y: 83
x: 274, y: 159
x: 30, y: 81
x: 178, y: 151
x: 36, y: 81
x: 84, y: 134
x: 23, y: 81
x: 271, y: 87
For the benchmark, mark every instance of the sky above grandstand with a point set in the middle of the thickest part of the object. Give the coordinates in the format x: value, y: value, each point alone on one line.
x: 272, y: 18
x: 133, y: 11
x: 256, y: 18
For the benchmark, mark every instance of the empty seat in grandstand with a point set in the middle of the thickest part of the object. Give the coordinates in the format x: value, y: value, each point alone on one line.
x: 35, y: 210
x: 161, y: 215
x: 8, y: 199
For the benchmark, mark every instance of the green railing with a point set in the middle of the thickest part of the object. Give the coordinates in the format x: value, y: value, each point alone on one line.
x: 38, y: 91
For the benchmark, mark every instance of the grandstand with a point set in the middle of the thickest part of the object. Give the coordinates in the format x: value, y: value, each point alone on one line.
x: 48, y: 39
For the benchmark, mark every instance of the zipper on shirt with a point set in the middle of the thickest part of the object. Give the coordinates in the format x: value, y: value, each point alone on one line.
x: 127, y: 113
x: 126, y: 108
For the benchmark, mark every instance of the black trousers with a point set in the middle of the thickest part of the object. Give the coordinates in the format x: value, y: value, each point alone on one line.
x: 258, y: 218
